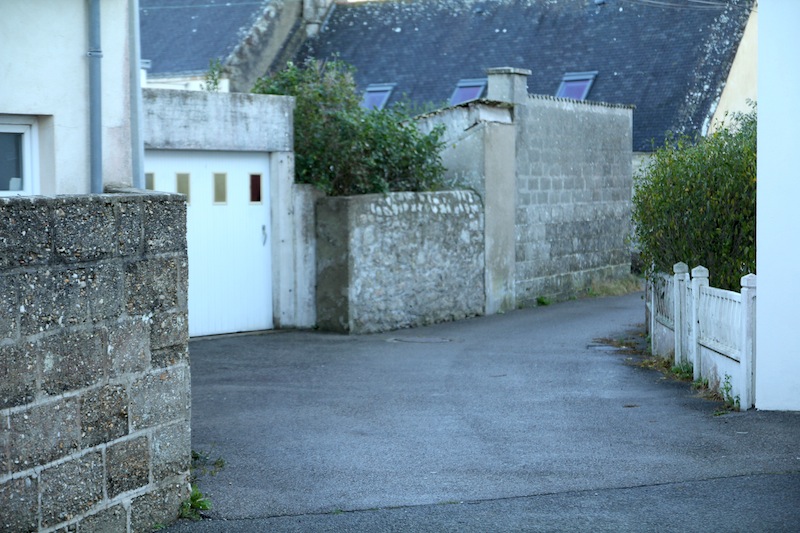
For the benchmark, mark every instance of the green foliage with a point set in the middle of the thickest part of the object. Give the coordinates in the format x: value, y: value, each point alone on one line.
x: 683, y: 371
x: 197, y: 502
x: 213, y: 76
x: 408, y: 107
x: 700, y: 384
x: 344, y: 149
x: 202, y: 464
x: 725, y: 389
x: 696, y: 202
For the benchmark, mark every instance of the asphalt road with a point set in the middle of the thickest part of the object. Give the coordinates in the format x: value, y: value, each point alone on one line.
x: 517, y: 422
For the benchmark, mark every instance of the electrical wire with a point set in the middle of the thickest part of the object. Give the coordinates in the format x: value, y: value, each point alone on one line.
x: 695, y: 5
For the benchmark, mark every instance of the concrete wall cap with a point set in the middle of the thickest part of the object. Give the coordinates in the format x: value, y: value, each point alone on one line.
x: 581, y: 102
x: 508, y: 70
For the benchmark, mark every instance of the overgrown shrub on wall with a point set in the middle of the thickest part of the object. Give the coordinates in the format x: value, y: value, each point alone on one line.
x: 344, y: 149
x: 696, y: 202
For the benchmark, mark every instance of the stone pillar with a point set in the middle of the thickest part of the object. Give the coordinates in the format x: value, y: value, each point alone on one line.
x: 508, y: 84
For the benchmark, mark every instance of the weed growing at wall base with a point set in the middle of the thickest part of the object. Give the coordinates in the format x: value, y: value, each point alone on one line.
x: 725, y: 389
x: 202, y: 464
x: 190, y: 508
x: 683, y: 371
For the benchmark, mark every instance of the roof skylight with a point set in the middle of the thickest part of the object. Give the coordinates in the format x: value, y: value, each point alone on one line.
x: 467, y: 90
x: 576, y: 85
x: 376, y: 95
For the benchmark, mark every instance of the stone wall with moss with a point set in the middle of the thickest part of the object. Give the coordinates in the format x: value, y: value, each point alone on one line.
x: 94, y: 367
x: 398, y: 260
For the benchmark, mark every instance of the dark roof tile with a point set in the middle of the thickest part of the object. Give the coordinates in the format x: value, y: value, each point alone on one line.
x: 668, y: 58
x: 181, y: 36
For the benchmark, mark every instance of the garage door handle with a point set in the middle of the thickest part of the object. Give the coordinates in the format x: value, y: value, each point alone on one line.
x: 264, y: 234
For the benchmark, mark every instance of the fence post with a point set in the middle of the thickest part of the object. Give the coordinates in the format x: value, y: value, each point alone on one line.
x: 652, y: 318
x: 679, y: 312
x: 748, y: 342
x: 699, y: 279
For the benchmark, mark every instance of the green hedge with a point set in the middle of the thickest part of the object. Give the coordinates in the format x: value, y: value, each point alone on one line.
x: 344, y: 149
x: 696, y: 202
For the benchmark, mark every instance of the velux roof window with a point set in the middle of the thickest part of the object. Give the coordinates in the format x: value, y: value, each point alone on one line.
x: 467, y: 90
x: 376, y: 95
x: 576, y: 85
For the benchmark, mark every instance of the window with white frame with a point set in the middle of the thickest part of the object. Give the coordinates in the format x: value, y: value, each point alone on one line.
x: 18, y: 160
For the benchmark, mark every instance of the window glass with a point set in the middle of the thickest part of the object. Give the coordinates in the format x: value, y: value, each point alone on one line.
x: 182, y: 185
x: 467, y: 90
x: 149, y: 181
x: 10, y: 162
x: 255, y: 188
x: 376, y: 95
x: 576, y: 85
x: 220, y: 188
x: 574, y: 89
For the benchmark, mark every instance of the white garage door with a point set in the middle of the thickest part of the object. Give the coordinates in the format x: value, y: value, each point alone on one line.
x: 228, y: 235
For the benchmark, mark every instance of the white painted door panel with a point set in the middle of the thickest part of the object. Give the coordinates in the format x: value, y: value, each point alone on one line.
x: 230, y: 268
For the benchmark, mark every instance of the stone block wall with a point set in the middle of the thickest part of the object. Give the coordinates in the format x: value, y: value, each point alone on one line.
x: 574, y: 191
x: 399, y: 260
x: 94, y: 368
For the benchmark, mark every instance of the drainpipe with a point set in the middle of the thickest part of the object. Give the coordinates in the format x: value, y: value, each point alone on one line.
x: 137, y: 117
x: 95, y: 107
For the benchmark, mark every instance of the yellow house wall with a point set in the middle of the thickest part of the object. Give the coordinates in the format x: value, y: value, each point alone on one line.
x: 742, y: 83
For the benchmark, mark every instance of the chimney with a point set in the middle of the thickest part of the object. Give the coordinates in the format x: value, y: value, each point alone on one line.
x: 508, y: 84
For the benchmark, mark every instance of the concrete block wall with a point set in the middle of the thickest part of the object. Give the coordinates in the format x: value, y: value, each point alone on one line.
x: 479, y: 153
x: 398, y: 260
x: 574, y: 190
x: 94, y: 368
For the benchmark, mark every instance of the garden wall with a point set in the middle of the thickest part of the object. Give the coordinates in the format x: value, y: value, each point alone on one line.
x: 398, y: 260
x: 94, y: 368
x: 574, y: 189
x: 555, y: 178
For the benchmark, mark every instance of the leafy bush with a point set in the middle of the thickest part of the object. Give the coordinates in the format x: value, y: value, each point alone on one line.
x: 696, y: 202
x: 344, y: 149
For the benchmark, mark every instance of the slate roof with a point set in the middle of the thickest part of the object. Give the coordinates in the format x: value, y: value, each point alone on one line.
x: 181, y: 36
x: 669, y: 58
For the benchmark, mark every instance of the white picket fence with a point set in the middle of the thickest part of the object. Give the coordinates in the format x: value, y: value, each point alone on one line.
x: 713, y: 329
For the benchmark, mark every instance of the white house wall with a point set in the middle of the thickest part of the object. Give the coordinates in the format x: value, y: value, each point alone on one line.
x: 778, y: 257
x: 45, y: 72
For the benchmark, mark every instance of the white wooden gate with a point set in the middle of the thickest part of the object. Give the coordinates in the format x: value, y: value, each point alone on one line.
x: 228, y: 235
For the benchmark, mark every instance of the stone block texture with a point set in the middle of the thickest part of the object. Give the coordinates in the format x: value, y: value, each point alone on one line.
x: 94, y: 366
x: 574, y: 189
x: 399, y: 260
